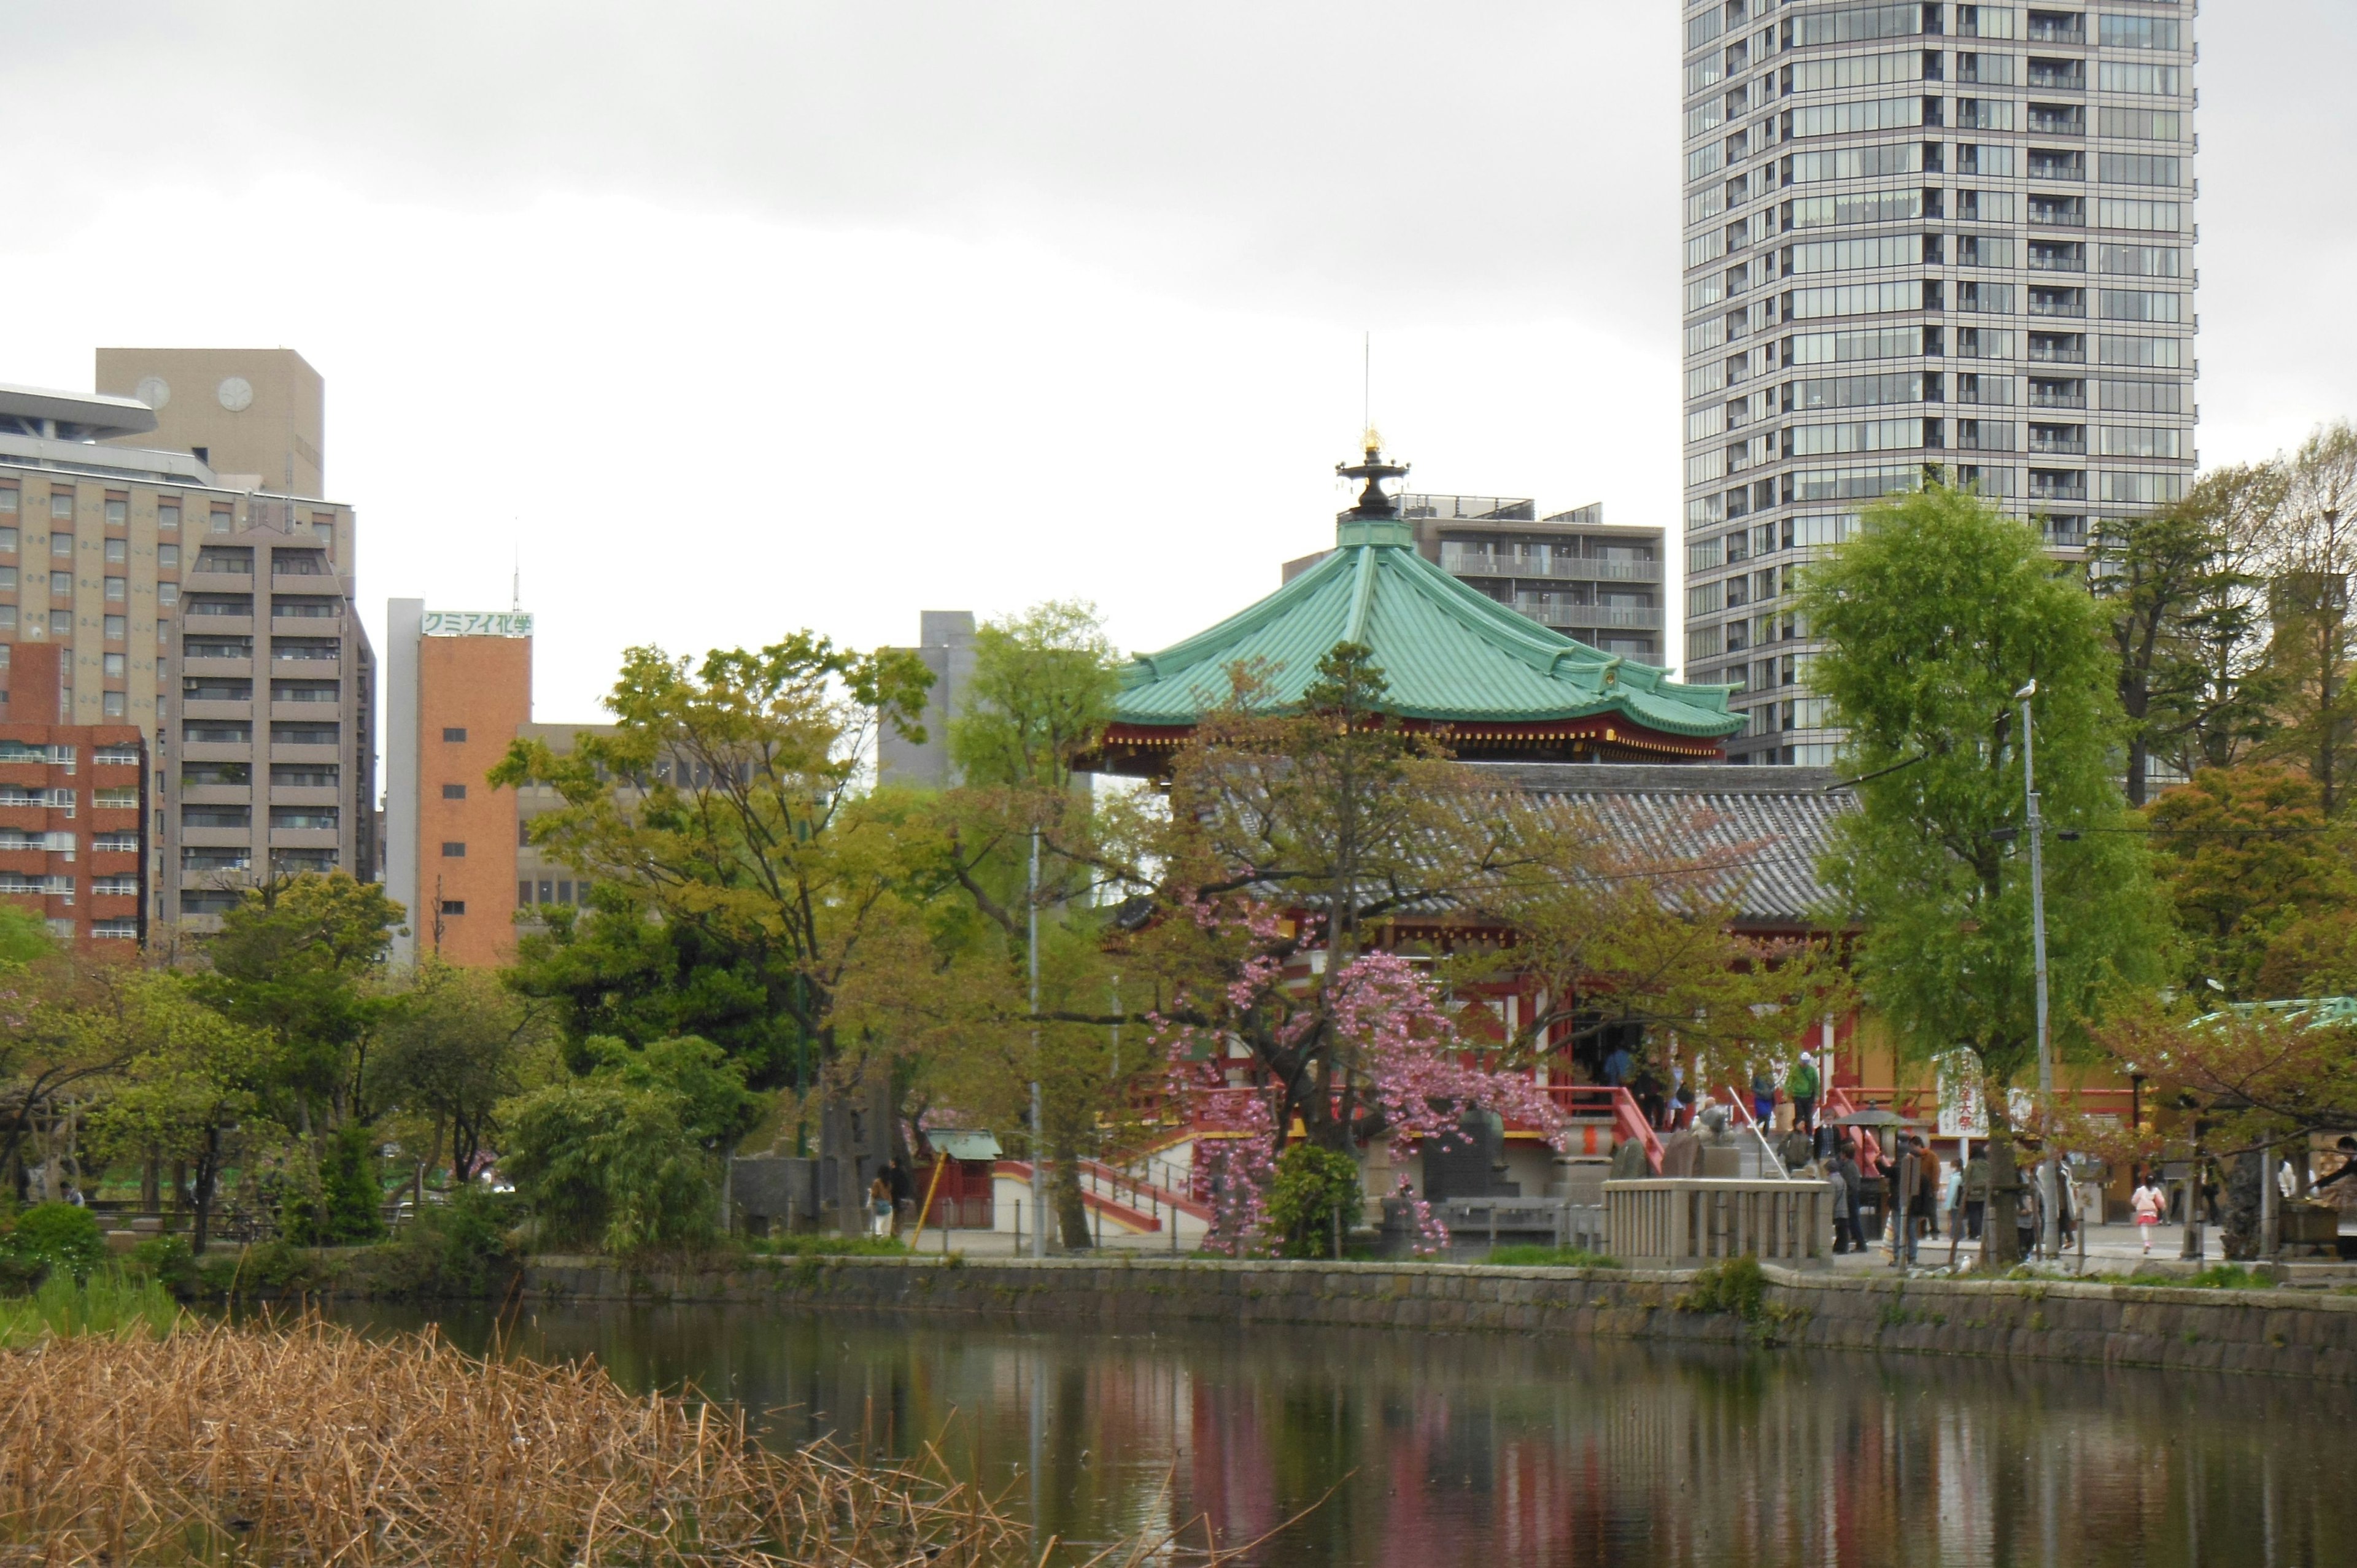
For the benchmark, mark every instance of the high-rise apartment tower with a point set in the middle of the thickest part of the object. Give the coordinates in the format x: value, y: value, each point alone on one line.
x: 1921, y: 238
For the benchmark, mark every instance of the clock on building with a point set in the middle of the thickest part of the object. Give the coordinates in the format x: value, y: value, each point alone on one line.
x: 236, y: 395
x: 153, y: 390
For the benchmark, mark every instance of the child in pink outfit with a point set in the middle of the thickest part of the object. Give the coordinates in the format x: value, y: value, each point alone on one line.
x: 2148, y: 1203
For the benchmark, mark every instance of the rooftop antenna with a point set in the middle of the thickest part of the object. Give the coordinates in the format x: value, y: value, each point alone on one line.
x: 515, y: 589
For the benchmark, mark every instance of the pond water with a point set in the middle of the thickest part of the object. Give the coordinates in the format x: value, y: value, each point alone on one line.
x: 1490, y: 1450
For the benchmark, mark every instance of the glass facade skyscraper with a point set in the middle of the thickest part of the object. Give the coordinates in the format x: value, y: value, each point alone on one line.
x: 1922, y: 240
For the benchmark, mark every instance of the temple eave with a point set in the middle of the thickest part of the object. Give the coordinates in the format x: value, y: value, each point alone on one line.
x: 1139, y: 748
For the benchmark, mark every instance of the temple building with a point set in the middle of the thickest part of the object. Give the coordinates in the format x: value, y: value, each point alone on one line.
x: 1489, y: 684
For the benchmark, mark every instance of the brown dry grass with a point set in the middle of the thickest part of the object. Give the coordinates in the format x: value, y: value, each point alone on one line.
x: 312, y: 1444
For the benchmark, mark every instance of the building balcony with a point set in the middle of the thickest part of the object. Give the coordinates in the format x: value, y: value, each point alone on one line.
x: 1602, y: 617
x: 1997, y: 438
x: 283, y: 752
x: 2074, y: 36
x: 200, y: 836
x: 2075, y: 309
x: 2058, y: 217
x: 2038, y: 264
x: 307, y: 712
x: 301, y: 795
x: 217, y: 794
x: 242, y: 667
x: 2077, y: 493
x: 2059, y: 355
x: 306, y: 624
x: 2047, y: 447
x: 216, y: 709
x: 1578, y: 569
x: 305, y: 838
x: 2057, y: 399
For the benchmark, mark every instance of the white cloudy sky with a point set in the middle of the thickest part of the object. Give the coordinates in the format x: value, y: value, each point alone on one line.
x: 948, y: 304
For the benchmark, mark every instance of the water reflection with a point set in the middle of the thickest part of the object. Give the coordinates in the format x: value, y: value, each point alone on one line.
x: 1489, y: 1451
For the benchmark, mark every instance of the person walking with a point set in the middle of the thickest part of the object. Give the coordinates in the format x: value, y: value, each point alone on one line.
x: 1802, y: 1084
x: 2148, y: 1203
x: 1976, y: 1183
x: 1852, y: 1199
x: 1620, y: 1067
x: 880, y: 1206
x: 1922, y: 1205
x: 1840, y: 1184
x: 1763, y: 1096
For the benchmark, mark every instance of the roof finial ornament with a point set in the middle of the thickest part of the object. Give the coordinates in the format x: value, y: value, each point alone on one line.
x: 1372, y: 501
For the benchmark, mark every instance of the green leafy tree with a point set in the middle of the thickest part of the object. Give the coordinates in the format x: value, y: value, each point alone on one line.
x: 2312, y: 653
x: 298, y: 960
x: 1934, y: 618
x: 61, y: 1238
x: 2256, y: 875
x: 347, y: 1209
x: 1039, y: 697
x: 627, y: 1158
x: 2184, y: 621
x: 455, y: 1043
x: 192, y: 1090
x: 727, y: 801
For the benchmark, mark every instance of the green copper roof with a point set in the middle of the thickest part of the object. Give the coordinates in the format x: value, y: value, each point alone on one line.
x: 1447, y: 653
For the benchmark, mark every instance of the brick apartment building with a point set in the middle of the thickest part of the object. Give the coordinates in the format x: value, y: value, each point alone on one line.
x: 73, y: 810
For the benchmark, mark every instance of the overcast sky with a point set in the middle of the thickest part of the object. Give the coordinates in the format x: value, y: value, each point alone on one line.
x: 733, y: 318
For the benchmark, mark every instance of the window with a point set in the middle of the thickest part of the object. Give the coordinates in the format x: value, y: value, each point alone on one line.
x: 217, y: 732
x: 118, y: 589
x: 303, y: 775
x: 211, y: 816
x: 61, y: 585
x: 291, y: 733
x: 8, y: 578
x: 7, y: 535
x: 1836, y: 348
x: 1867, y: 114
x: 114, y: 664
x: 2139, y: 261
x: 211, y: 775
x: 1866, y: 436
x: 168, y: 557
x: 454, y: 905
x: 62, y: 504
x: 117, y: 550
x: 2139, y: 33
x: 2124, y: 76
x: 2143, y: 397
x: 2146, y: 352
x: 8, y: 501
x: 305, y: 690
x: 167, y: 594
x: 167, y: 517
x: 215, y: 689
x: 1858, y: 207
x: 453, y: 733
x: 524, y: 831
x: 524, y: 895
x: 116, y: 629
x: 1854, y: 163
x: 2140, y: 169
x: 2141, y: 441
x: 2143, y: 489
x: 452, y: 849
x: 124, y: 798
x: 1846, y: 256
x: 308, y: 818
x: 1846, y: 391
x: 61, y: 623
x: 222, y: 519
x: 454, y: 792
x: 2141, y: 125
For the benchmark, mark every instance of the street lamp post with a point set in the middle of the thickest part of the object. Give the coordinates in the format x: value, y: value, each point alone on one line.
x: 2049, y: 1230
x: 1038, y: 1123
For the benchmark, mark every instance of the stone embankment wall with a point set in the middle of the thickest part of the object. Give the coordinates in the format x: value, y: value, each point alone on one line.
x: 2286, y: 1333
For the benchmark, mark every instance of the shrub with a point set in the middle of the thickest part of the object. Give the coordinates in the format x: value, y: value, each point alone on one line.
x: 1311, y: 1184
x: 169, y: 1260
x: 59, y: 1239
x: 456, y: 1249
x: 1736, y: 1285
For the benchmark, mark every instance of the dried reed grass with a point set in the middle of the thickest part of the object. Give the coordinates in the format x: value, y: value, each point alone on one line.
x: 312, y: 1444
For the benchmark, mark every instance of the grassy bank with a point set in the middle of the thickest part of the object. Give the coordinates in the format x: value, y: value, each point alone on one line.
x: 219, y: 1445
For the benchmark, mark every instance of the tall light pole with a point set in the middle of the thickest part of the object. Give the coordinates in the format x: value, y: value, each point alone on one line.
x: 1038, y: 1125
x: 2049, y: 1230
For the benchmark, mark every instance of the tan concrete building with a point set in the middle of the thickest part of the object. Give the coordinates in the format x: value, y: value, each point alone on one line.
x: 259, y: 413
x: 214, y: 615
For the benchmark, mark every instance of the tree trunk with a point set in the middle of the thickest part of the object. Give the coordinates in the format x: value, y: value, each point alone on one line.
x: 2001, y: 1223
x: 2191, y: 1245
x: 2239, y: 1235
x: 835, y: 1141
x: 208, y: 1167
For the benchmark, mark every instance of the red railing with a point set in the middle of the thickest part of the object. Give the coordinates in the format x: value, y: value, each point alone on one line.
x: 1597, y: 1100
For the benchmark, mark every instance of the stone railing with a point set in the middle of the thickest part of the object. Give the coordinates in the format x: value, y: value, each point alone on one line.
x: 1687, y: 1221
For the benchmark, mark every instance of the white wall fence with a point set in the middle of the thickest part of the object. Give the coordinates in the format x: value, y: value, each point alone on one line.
x: 1688, y: 1223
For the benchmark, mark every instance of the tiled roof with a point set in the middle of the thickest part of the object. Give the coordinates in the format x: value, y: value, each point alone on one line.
x: 1447, y: 653
x: 1762, y: 829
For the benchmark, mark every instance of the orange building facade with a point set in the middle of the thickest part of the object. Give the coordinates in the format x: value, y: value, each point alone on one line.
x: 474, y: 694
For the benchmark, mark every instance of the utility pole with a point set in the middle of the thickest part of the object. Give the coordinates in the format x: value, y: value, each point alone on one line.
x: 1038, y: 1125
x: 2049, y: 1229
